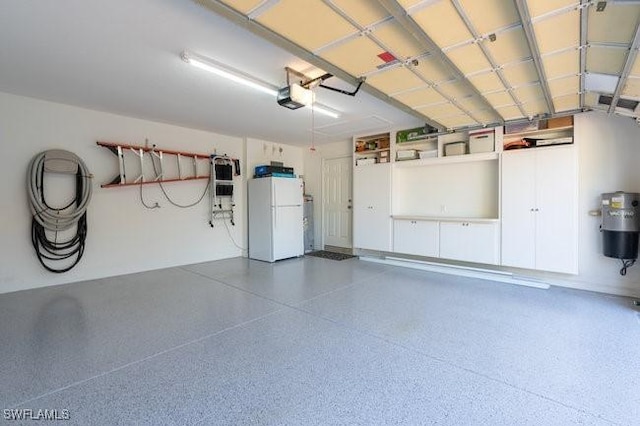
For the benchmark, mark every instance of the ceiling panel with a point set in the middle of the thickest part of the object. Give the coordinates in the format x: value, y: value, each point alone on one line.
x: 409, y: 3
x: 486, y: 82
x: 569, y: 102
x: 499, y: 99
x: 590, y: 99
x: 456, y: 90
x: 290, y: 18
x: 510, y: 112
x: 603, y: 60
x: 564, y: 86
x: 632, y: 88
x: 529, y: 93
x: 537, y: 7
x: 510, y: 46
x: 469, y: 59
x: 490, y: 15
x: 561, y: 64
x: 442, y: 23
x: 399, y: 41
x: 486, y: 116
x: 243, y: 6
x: 420, y: 97
x: 433, y: 70
x: 473, y: 104
x: 522, y: 73
x: 441, y: 110
x: 558, y: 32
x: 364, y: 12
x: 616, y: 24
x: 635, y: 68
x: 535, y: 107
x: 395, y: 80
x: 357, y: 56
x: 454, y: 121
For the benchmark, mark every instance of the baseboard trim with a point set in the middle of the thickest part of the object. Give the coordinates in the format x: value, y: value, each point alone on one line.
x: 464, y: 271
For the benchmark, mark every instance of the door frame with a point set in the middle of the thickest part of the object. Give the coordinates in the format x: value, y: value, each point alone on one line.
x: 322, y: 189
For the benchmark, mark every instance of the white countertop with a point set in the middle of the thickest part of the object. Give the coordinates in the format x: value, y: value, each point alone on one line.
x: 447, y: 219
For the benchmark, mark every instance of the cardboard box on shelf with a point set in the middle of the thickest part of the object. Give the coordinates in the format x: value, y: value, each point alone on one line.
x: 481, y: 141
x: 455, y: 148
x: 526, y: 126
x: 554, y: 123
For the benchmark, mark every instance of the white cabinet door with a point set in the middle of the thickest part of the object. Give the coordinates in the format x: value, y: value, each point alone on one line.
x: 518, y: 209
x: 556, y: 210
x: 470, y: 242
x: 418, y: 237
x: 539, y: 209
x: 372, y: 207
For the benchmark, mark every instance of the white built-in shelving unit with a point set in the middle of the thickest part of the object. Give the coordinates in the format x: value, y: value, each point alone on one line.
x: 451, y: 206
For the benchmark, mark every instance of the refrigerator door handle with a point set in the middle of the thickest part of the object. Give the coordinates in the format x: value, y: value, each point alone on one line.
x: 275, y: 208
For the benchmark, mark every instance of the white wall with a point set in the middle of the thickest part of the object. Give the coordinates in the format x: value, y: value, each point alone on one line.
x: 261, y: 152
x: 449, y: 190
x: 313, y: 178
x: 123, y: 236
x: 609, y: 160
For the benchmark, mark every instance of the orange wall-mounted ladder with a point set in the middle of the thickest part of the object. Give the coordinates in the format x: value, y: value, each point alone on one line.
x: 120, y: 149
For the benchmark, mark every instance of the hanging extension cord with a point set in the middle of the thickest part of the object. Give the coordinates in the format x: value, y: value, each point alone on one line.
x: 231, y: 238
x: 48, y: 219
x: 626, y: 263
x: 155, y: 171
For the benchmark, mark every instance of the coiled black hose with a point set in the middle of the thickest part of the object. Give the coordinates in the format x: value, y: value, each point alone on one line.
x: 48, y: 222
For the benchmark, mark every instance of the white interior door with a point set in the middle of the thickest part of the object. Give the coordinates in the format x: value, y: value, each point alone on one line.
x: 337, y: 202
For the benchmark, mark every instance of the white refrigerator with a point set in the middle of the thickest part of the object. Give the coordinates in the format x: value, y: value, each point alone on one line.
x: 276, y: 228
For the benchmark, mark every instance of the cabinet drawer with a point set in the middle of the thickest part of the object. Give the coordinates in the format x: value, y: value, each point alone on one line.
x: 470, y: 242
x: 418, y: 237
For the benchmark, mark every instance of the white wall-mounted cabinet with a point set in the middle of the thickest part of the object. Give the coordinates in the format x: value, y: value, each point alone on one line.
x: 416, y: 237
x: 372, y: 207
x: 539, y: 209
x: 470, y: 241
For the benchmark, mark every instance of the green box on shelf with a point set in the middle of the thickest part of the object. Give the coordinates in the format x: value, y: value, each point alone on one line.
x: 416, y: 134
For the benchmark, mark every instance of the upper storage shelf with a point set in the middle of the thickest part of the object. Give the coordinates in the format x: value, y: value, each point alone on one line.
x: 554, y: 131
x: 372, y: 149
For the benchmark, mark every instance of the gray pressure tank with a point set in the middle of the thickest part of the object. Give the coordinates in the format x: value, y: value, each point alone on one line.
x: 620, y: 224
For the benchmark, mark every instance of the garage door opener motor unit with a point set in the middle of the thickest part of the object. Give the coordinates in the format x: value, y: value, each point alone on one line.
x: 621, y: 227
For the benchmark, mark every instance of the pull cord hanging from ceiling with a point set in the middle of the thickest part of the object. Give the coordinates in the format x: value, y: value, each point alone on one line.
x: 50, y: 225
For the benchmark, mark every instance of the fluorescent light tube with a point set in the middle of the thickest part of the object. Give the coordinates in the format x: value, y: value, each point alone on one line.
x: 227, y: 72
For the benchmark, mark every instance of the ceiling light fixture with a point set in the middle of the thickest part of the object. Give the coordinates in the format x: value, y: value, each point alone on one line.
x: 240, y: 77
x: 229, y: 73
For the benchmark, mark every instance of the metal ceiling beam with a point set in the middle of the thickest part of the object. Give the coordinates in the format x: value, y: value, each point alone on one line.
x: 523, y: 13
x: 241, y: 20
x: 488, y: 55
x: 406, y: 21
x: 584, y: 19
x: 626, y: 70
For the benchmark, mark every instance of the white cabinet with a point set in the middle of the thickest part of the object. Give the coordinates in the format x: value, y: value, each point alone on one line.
x: 470, y: 242
x: 417, y: 237
x: 372, y: 207
x: 539, y: 209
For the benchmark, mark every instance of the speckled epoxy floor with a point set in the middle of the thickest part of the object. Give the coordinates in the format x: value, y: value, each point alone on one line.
x: 315, y: 341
